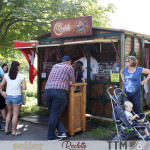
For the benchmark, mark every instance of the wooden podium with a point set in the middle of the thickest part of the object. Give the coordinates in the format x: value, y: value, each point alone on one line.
x: 73, y: 116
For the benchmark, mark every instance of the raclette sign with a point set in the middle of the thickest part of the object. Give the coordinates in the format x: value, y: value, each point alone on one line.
x: 81, y: 26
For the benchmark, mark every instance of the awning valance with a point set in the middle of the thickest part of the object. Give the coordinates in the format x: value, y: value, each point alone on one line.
x: 73, y: 43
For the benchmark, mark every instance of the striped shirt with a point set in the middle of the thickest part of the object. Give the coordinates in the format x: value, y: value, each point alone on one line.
x: 60, y: 76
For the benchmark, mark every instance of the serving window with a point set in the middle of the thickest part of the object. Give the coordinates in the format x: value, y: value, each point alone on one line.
x: 103, y: 58
x: 106, y: 55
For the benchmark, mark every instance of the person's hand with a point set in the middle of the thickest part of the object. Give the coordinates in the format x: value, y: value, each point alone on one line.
x: 136, y: 116
x: 70, y: 82
x: 143, y: 82
x: 4, y: 94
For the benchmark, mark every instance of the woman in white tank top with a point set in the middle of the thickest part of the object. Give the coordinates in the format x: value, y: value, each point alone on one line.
x: 15, y: 83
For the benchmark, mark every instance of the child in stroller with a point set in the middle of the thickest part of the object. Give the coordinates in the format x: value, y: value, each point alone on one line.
x: 131, y: 118
x: 125, y: 129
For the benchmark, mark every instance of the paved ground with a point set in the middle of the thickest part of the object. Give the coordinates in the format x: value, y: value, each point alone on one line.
x: 29, y: 131
x: 34, y: 128
x: 38, y: 131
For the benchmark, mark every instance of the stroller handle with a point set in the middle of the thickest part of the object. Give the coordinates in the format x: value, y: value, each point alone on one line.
x: 109, y: 89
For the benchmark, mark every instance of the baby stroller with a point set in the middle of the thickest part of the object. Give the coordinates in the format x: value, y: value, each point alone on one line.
x: 125, y: 130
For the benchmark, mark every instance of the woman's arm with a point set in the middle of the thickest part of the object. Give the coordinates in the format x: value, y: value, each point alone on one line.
x: 122, y: 75
x: 1, y: 85
x: 24, y: 86
x: 145, y: 71
x: 83, y: 80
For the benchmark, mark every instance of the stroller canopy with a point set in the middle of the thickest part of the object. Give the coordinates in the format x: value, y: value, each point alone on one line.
x: 120, y: 96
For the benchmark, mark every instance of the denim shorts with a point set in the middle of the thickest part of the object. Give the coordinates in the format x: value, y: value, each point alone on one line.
x: 14, y: 99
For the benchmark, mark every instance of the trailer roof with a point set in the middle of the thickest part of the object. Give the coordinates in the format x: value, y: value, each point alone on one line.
x: 100, y: 28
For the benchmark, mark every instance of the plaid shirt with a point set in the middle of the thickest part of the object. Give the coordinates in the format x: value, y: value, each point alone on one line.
x: 60, y: 76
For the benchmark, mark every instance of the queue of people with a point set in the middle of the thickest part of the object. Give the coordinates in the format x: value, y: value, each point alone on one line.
x: 57, y: 86
x: 2, y: 100
x: 12, y: 95
x: 4, y: 70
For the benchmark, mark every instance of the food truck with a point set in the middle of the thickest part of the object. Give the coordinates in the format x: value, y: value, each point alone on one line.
x: 103, y: 52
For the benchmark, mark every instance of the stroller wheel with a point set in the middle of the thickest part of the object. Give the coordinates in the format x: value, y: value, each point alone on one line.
x: 124, y: 137
x: 140, y: 145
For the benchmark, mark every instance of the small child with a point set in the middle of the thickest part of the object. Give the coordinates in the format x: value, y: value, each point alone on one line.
x: 79, y: 72
x: 128, y: 108
x: 78, y: 75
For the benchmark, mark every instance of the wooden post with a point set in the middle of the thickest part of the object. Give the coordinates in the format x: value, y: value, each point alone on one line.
x: 71, y: 111
x: 122, y: 55
x: 73, y: 99
x: 83, y: 108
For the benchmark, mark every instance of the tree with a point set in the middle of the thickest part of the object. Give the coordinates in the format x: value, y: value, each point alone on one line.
x: 25, y: 19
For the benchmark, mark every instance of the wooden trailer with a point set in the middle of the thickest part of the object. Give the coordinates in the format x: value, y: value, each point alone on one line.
x: 77, y: 38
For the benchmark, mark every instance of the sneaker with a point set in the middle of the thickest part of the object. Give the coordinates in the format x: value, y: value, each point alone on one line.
x: 2, y: 129
x: 55, y: 139
x: 147, y: 138
x: 63, y: 135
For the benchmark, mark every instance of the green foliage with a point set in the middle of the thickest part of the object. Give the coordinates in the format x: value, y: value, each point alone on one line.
x: 148, y: 117
x: 23, y: 20
x: 24, y: 67
x: 31, y: 88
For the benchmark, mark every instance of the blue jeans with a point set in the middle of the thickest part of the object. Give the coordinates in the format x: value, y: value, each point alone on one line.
x: 14, y: 99
x: 136, y: 100
x: 56, y: 101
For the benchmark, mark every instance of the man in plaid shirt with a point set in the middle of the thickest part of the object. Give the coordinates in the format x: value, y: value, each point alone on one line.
x: 57, y: 86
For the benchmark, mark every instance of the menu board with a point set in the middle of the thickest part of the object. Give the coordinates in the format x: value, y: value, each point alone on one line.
x: 105, y: 71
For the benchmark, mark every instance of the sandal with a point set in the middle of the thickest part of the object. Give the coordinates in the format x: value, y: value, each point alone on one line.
x: 7, y: 132
x: 17, y: 133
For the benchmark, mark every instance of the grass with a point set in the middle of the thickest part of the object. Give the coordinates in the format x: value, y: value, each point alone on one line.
x: 105, y: 129
x: 31, y: 107
x: 148, y: 117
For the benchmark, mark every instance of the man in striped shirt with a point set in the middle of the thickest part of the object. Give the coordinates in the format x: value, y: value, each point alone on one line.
x: 57, y: 86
